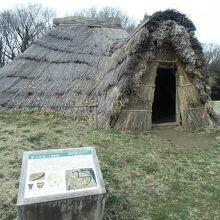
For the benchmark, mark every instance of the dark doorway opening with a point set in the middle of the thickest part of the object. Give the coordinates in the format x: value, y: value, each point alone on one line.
x: 164, y: 105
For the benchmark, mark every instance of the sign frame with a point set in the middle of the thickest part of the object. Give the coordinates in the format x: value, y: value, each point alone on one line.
x: 24, y: 200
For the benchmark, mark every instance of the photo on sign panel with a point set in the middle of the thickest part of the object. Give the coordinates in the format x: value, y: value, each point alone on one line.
x: 36, y: 176
x: 80, y: 178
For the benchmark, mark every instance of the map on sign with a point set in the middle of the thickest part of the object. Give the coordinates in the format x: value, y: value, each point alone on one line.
x: 56, y: 172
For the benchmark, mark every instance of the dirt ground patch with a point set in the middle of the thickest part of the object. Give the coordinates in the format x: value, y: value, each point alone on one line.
x: 180, y: 137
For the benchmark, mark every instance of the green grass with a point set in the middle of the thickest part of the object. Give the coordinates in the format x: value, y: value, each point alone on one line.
x: 217, y: 106
x: 145, y: 177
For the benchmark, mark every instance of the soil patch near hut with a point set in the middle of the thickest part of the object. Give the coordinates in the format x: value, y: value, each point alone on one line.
x: 184, y: 138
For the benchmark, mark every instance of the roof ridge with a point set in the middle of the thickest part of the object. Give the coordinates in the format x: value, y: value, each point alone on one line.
x: 88, y: 21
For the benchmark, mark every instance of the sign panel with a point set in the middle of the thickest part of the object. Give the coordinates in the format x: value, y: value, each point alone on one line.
x: 61, y: 171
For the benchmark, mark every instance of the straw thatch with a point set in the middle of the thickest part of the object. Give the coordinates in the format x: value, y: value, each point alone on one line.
x: 59, y: 69
x: 85, y: 62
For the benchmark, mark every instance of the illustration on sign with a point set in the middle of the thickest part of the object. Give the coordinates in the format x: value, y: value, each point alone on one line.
x: 76, y: 179
x: 60, y: 172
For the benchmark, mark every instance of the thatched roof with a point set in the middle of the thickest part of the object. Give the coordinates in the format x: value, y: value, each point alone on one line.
x: 131, y: 57
x: 84, y: 62
x: 61, y: 68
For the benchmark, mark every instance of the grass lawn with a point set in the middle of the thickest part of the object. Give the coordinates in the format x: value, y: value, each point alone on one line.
x: 146, y: 177
x: 217, y: 106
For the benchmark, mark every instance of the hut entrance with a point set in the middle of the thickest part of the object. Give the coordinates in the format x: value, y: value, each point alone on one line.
x: 164, y: 105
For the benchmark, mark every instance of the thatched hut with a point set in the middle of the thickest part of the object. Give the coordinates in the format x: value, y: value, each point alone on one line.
x: 155, y: 75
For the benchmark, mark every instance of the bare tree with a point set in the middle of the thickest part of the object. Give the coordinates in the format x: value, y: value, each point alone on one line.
x: 90, y: 12
x: 212, y: 56
x: 8, y: 36
x: 20, y: 27
x: 109, y: 12
x: 2, y: 52
x: 211, y: 52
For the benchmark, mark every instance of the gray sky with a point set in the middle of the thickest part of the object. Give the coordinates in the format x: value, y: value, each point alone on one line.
x: 205, y: 14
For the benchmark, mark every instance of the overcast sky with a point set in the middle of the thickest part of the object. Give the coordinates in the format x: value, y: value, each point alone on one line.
x: 204, y: 13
